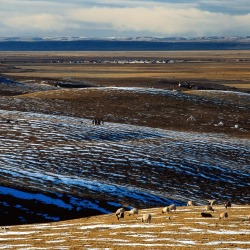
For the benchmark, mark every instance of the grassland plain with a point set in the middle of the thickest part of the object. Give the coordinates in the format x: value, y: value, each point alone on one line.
x: 206, y: 67
x: 204, y: 129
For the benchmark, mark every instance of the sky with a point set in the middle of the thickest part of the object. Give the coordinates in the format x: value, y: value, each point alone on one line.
x: 124, y: 18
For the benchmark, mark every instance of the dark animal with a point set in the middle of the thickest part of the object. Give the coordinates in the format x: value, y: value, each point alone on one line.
x: 228, y: 204
x: 203, y: 214
x: 97, y: 121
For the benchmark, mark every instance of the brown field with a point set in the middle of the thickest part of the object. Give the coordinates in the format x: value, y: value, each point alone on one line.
x: 227, y: 71
x: 182, y: 229
x: 229, y: 68
x: 216, y: 70
x: 238, y: 86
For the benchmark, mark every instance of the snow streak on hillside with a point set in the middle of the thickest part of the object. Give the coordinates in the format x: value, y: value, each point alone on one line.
x: 71, y: 164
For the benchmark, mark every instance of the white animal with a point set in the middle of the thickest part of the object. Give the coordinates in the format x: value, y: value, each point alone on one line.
x: 223, y: 215
x: 190, y: 203
x: 172, y: 207
x: 164, y: 210
x: 133, y: 211
x: 208, y: 208
x: 146, y: 218
x: 247, y: 218
x: 168, y: 209
x: 4, y: 229
x: 191, y: 119
x: 212, y: 202
x: 120, y: 213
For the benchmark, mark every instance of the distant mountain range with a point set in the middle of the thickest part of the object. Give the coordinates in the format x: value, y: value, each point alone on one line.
x: 141, y: 43
x: 138, y: 38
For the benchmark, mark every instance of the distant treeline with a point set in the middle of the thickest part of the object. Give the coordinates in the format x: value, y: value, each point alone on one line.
x: 104, y: 45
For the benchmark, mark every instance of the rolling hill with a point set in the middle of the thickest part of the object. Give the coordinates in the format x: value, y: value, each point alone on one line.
x: 69, y: 164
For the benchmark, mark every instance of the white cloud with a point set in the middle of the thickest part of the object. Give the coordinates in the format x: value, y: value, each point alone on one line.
x: 109, y: 17
x: 37, y: 21
x: 165, y: 21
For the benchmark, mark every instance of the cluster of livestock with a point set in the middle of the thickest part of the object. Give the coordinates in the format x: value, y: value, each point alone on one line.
x: 97, y: 121
x: 121, y: 211
x: 171, y: 208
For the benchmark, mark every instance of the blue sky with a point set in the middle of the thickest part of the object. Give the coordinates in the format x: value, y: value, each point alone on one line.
x: 119, y: 18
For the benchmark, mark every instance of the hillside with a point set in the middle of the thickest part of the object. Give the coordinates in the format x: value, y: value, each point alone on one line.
x: 185, y: 229
x: 70, y: 164
x: 150, y: 107
x: 81, y: 139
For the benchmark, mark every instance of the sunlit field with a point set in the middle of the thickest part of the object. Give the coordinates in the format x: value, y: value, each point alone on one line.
x: 83, y: 134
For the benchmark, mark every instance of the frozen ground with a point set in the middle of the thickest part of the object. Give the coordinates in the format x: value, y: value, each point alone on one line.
x: 7, y: 85
x: 52, y: 165
x: 106, y: 232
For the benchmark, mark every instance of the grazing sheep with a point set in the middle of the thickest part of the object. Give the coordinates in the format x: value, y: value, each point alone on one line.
x: 221, y: 124
x: 120, y: 213
x: 223, y: 215
x: 228, y: 204
x: 4, y: 229
x: 164, y: 210
x: 190, y: 203
x: 203, y: 214
x: 212, y: 202
x: 247, y: 218
x: 168, y: 209
x: 146, y: 218
x: 172, y: 207
x: 209, y: 208
x: 133, y: 211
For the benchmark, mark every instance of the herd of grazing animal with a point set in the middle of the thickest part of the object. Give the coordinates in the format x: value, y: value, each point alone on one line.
x: 120, y: 213
x: 209, y: 208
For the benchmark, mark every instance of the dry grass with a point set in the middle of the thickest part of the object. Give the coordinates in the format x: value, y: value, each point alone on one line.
x: 189, y: 71
x: 206, y: 67
x: 229, y: 54
x: 184, y: 230
x: 169, y: 111
x: 222, y: 95
x: 239, y: 85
